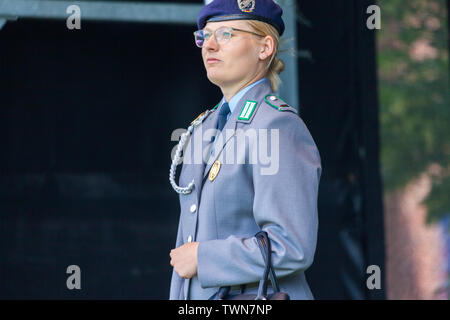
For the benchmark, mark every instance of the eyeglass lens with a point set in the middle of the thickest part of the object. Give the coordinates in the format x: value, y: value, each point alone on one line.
x: 221, y: 35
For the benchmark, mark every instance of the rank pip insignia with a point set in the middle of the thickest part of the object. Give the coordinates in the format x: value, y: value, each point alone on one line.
x: 214, y: 170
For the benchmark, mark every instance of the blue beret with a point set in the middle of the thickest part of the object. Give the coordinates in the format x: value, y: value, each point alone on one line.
x: 222, y: 10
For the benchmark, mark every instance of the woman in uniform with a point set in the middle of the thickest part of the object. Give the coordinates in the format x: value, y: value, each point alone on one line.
x: 237, y: 188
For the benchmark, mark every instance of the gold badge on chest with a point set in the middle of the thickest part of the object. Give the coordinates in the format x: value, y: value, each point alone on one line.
x: 214, y: 171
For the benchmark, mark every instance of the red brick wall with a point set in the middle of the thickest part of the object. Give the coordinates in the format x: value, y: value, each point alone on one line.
x: 415, y: 251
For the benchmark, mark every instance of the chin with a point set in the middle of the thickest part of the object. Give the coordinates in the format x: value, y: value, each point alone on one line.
x: 215, y: 78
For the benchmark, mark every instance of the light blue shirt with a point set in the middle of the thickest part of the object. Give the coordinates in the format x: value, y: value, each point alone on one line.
x: 233, y: 103
x: 235, y: 99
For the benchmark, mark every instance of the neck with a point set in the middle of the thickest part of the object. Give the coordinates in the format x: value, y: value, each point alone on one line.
x: 230, y: 90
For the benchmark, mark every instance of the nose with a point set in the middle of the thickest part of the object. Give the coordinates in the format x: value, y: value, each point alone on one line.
x: 210, y: 44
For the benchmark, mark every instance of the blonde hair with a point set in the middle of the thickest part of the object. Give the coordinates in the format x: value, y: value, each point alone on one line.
x: 276, y: 65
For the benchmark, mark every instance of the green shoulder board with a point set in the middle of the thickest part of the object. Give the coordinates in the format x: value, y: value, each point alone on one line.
x: 215, y: 106
x: 278, y: 103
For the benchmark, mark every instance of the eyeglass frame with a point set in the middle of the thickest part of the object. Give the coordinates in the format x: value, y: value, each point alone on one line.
x: 230, y: 28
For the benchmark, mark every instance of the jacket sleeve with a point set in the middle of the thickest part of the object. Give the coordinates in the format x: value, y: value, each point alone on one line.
x: 285, y: 206
x: 176, y: 283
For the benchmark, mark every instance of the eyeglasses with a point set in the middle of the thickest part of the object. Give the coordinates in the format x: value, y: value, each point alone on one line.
x: 222, y: 35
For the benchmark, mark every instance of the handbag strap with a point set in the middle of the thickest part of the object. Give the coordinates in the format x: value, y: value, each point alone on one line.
x: 264, y: 245
x: 266, y: 251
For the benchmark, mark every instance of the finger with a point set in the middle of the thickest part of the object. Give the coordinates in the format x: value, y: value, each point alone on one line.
x: 179, y: 272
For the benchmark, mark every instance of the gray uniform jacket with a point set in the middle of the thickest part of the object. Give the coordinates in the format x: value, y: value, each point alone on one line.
x: 276, y: 193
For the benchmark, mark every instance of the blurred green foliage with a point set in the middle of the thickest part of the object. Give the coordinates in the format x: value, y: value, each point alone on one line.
x: 413, y: 77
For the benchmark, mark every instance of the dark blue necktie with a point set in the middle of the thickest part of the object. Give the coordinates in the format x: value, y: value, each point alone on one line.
x: 222, y: 119
x: 223, y: 113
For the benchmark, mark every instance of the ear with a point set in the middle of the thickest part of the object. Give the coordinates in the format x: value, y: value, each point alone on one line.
x: 267, y: 47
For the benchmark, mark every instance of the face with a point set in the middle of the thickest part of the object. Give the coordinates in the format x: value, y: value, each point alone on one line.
x: 235, y: 60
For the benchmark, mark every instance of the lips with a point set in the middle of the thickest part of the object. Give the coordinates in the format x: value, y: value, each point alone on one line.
x: 212, y: 60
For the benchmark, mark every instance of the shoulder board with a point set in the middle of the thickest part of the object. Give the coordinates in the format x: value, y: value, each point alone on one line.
x: 201, y: 114
x: 215, y: 106
x: 198, y: 117
x: 278, y: 103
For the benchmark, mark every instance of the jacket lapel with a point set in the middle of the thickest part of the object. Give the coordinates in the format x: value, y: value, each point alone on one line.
x: 199, y: 164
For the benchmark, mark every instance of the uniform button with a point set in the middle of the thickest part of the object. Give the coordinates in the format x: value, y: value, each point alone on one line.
x: 190, y: 238
x: 193, y: 208
x: 273, y: 98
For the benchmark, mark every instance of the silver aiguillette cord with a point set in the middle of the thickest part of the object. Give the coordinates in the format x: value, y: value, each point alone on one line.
x: 173, y: 167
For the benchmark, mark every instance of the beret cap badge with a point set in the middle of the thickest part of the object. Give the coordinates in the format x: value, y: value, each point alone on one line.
x: 246, y: 5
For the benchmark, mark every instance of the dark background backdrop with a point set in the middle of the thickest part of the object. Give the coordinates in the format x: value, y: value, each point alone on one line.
x: 85, y: 123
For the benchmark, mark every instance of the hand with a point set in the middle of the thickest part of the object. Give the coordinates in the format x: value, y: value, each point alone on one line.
x: 184, y: 260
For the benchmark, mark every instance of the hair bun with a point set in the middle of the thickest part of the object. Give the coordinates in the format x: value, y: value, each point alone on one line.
x: 278, y: 65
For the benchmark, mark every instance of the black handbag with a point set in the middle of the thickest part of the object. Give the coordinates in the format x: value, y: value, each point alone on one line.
x: 264, y: 245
